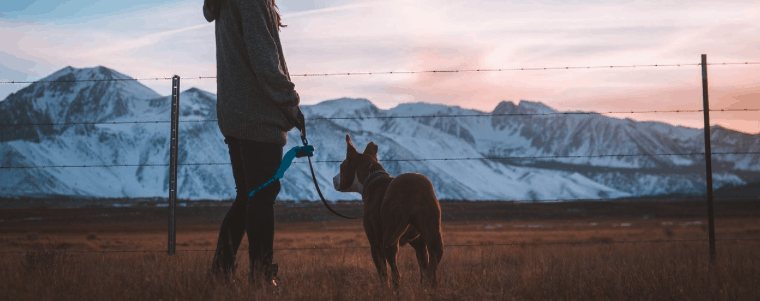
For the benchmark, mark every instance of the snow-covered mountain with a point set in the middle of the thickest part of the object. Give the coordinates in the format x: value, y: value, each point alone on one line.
x: 483, y: 139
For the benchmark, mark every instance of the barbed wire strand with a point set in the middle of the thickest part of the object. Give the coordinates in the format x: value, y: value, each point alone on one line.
x: 516, y: 69
x: 579, y: 243
x: 392, y: 160
x: 532, y: 114
x: 90, y: 123
x: 398, y: 117
x: 445, y: 201
x: 403, y: 72
x: 85, y: 80
x: 545, y: 157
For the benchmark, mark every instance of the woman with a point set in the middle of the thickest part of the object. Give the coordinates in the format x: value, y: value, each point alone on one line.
x: 256, y: 106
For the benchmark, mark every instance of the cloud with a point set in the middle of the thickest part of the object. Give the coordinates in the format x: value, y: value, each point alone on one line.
x: 334, y: 9
x: 143, y: 41
x: 326, y: 36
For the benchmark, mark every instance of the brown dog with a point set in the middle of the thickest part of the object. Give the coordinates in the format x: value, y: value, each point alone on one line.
x: 400, y: 210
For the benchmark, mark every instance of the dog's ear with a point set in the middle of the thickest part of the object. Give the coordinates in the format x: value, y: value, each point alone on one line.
x: 350, y: 149
x: 371, y: 149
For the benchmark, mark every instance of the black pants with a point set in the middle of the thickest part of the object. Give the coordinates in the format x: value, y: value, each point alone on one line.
x: 253, y: 163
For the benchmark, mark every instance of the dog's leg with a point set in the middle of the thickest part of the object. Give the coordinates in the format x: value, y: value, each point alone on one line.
x: 422, y: 256
x: 376, y: 248
x: 379, y: 260
x: 431, y: 233
x: 391, y: 252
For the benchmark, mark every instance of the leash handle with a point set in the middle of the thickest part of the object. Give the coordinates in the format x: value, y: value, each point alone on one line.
x: 287, y: 160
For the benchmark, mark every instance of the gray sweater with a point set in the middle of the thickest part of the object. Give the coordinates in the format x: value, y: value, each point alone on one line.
x: 254, y: 91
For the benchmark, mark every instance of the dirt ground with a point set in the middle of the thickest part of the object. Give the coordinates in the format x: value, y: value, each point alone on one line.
x: 493, y: 251
x: 301, y: 225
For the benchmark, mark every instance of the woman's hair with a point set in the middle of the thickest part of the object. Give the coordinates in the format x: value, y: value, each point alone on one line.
x: 277, y: 18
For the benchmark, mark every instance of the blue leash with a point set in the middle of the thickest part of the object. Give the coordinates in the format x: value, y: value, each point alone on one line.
x: 296, y: 152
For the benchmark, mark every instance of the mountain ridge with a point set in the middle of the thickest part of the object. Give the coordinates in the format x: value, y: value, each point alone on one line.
x: 543, y: 156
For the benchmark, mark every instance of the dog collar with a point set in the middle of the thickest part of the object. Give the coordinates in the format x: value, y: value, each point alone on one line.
x: 373, y: 175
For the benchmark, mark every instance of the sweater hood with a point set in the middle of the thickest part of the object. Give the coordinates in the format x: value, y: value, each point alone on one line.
x: 211, y: 9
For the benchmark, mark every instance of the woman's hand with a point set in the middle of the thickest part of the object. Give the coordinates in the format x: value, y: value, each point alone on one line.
x: 300, y: 123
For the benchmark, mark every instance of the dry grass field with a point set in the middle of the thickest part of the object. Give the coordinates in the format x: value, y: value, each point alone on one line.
x: 558, y: 252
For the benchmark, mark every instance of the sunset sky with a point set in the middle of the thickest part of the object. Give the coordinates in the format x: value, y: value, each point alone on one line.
x: 158, y: 38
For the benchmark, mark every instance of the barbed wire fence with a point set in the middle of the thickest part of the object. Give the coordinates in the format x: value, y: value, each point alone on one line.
x: 520, y: 244
x: 175, y: 120
x: 409, y: 72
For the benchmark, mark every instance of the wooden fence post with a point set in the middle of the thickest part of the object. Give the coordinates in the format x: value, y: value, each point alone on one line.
x: 173, y: 166
x: 708, y: 160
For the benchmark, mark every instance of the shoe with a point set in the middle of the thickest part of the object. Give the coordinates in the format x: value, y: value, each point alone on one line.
x: 271, y: 276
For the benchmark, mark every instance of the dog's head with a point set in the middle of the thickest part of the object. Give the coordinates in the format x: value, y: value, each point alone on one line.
x: 356, y: 166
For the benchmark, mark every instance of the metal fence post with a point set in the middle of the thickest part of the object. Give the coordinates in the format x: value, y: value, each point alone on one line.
x: 708, y: 160
x: 173, y: 166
